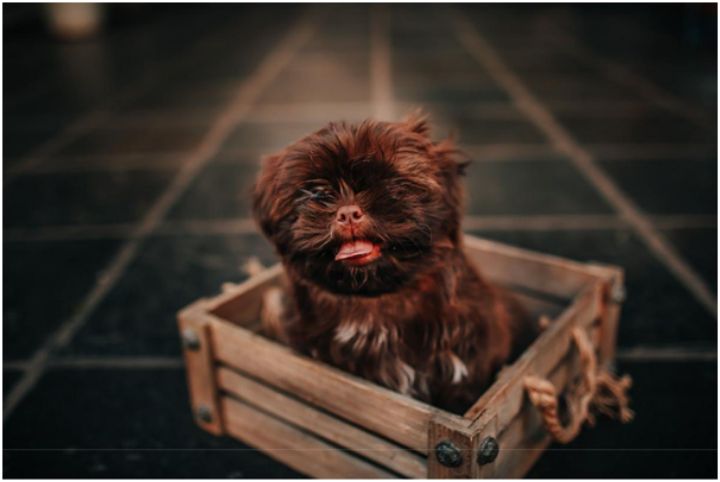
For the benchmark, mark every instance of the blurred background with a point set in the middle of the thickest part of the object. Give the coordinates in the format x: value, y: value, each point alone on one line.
x: 131, y: 133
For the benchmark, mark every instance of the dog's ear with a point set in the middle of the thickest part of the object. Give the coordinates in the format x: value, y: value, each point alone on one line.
x: 271, y: 203
x: 455, y: 160
x: 453, y: 163
x: 418, y: 123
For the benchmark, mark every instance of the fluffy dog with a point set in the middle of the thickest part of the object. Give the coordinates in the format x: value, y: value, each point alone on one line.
x: 366, y: 220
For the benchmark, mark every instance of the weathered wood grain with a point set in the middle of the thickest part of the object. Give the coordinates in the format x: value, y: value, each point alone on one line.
x: 293, y: 447
x: 300, y: 414
x: 543, y: 273
x: 199, y: 363
x: 390, y: 414
x: 444, y: 429
x: 503, y: 399
x: 295, y: 408
x: 522, y: 440
x: 241, y: 303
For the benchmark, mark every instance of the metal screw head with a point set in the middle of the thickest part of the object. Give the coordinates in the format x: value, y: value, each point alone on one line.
x: 488, y: 450
x: 448, y: 454
x: 190, y: 339
x: 204, y: 414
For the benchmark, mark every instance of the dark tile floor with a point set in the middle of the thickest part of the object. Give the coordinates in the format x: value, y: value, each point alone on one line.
x: 100, y: 136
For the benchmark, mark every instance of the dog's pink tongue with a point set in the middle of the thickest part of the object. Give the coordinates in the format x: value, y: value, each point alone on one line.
x: 354, y: 249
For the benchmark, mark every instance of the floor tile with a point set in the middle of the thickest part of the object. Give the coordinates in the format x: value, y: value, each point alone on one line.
x: 529, y: 187
x: 138, y: 139
x: 674, y: 434
x: 10, y: 379
x: 668, y: 186
x: 658, y: 310
x: 141, y: 427
x: 442, y: 67
x: 477, y: 130
x: 82, y: 197
x: 407, y: 89
x: 699, y: 248
x: 43, y: 283
x: 138, y: 315
x: 637, y: 129
x: 221, y: 191
x: 19, y: 141
x: 333, y: 85
x: 269, y: 137
x: 558, y: 87
x: 186, y: 94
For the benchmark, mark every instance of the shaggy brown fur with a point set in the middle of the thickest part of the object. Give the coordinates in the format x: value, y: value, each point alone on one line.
x: 366, y: 220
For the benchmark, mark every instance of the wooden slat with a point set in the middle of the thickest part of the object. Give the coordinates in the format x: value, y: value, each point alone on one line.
x: 524, y: 438
x: 241, y: 303
x: 543, y: 273
x: 390, y: 414
x: 611, y: 319
x: 293, y: 447
x: 200, y: 372
x: 503, y: 399
x: 396, y: 458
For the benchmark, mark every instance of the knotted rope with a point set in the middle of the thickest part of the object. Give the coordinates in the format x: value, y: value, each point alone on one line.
x: 600, y: 391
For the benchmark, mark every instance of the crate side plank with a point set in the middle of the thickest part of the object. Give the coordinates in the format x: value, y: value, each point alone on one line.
x: 390, y: 414
x: 522, y: 440
x: 396, y: 458
x: 200, y: 372
x: 293, y: 447
x: 503, y: 398
x: 241, y: 303
x: 543, y: 273
x: 610, y: 321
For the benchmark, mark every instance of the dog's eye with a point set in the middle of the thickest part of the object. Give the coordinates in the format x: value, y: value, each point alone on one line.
x: 319, y: 194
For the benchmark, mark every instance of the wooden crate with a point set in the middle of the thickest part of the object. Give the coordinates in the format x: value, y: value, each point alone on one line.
x: 329, y: 424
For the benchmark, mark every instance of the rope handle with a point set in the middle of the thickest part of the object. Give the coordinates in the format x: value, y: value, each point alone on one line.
x: 599, y: 390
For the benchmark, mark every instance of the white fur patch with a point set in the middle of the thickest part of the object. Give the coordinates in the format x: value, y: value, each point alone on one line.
x: 345, y: 332
x: 407, y: 378
x: 459, y: 369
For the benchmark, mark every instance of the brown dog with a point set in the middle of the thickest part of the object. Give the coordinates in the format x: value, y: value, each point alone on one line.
x: 366, y: 220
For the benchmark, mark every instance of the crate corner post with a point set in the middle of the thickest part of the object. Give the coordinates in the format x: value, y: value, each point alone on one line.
x: 197, y: 349
x: 450, y: 448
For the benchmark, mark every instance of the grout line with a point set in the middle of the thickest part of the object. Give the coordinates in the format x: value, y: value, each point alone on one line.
x: 21, y: 365
x: 664, y: 354
x: 161, y: 161
x: 621, y: 74
x: 480, y: 153
x: 479, y: 48
x: 543, y: 222
x: 643, y: 152
x: 100, y: 115
x: 381, y: 89
x: 249, y: 91
x: 205, y: 227
x: 69, y: 233
x: 688, y: 221
x: 318, y: 112
x: 535, y: 222
x: 130, y: 362
x: 634, y: 354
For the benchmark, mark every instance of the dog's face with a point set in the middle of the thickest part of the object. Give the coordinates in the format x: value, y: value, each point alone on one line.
x: 361, y: 209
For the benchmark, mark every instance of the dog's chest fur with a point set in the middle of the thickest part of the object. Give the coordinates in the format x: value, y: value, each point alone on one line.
x: 420, y: 340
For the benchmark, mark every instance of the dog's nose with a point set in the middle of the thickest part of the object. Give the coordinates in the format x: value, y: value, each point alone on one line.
x: 349, y: 214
